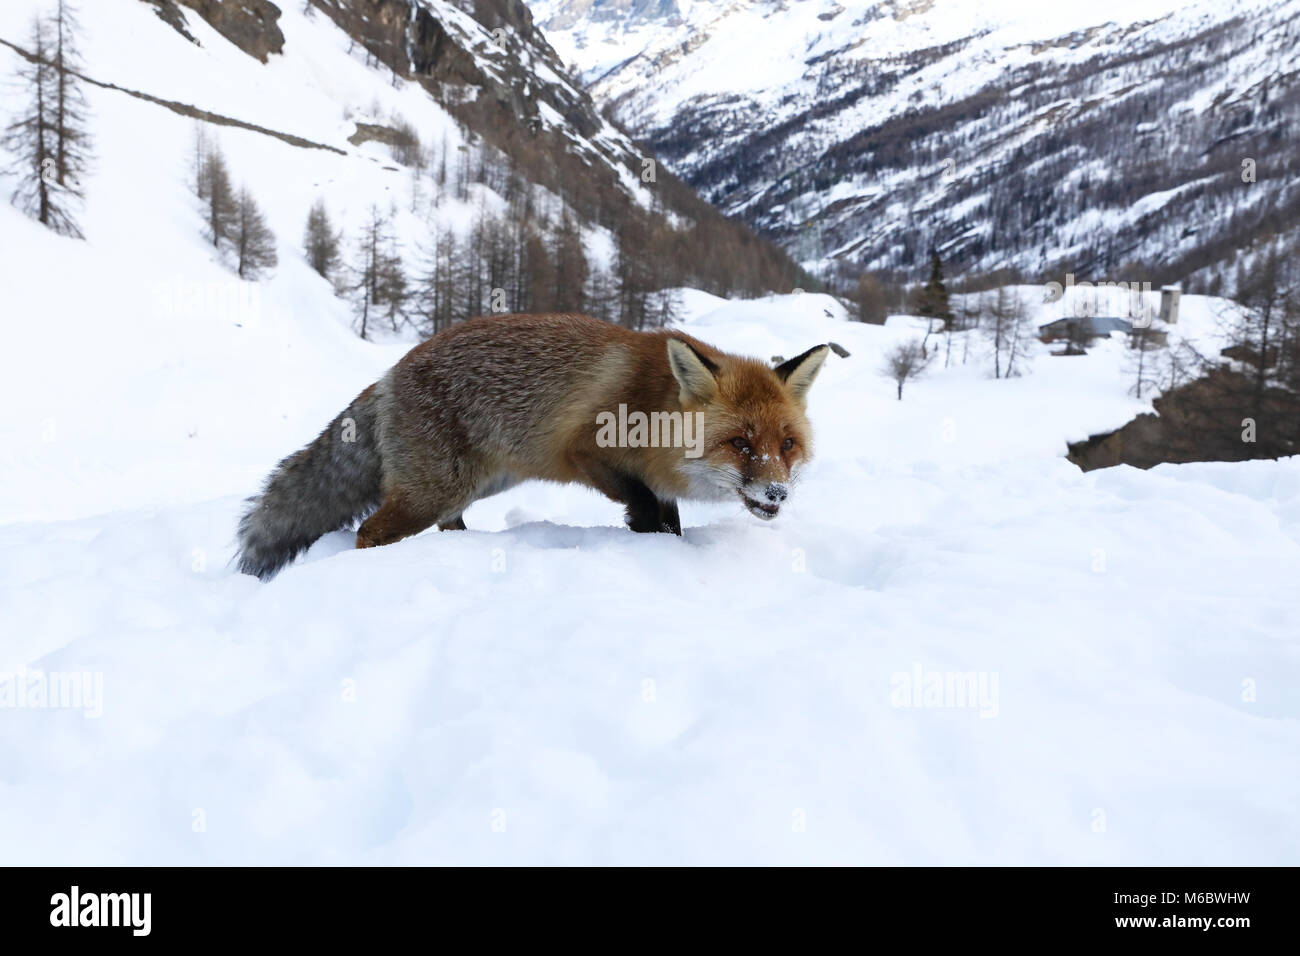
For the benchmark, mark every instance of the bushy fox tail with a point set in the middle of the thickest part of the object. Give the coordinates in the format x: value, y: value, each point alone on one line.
x: 325, y: 486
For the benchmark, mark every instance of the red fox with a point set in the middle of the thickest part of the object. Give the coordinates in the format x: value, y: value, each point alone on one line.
x: 499, y: 400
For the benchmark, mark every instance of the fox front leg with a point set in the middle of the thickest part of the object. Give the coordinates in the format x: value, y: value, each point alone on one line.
x: 646, y: 513
x: 669, y: 520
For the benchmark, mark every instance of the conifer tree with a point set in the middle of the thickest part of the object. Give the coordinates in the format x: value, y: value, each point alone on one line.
x: 570, y: 267
x: 49, y: 136
x: 71, y: 138
x: 379, y: 286
x: 933, y: 301
x: 321, y: 241
x: 538, y: 275
x: 251, y: 239
x: 220, y: 205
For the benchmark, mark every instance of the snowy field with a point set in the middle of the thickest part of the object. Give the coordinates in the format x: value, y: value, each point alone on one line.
x: 952, y: 647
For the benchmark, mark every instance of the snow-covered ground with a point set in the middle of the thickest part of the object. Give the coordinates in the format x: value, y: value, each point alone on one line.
x: 953, y: 647
x: 548, y: 687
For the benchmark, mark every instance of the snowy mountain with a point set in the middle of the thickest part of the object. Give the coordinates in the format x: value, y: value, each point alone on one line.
x: 1096, y: 138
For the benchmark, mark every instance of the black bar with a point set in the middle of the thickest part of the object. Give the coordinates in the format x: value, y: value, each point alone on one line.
x: 332, y: 906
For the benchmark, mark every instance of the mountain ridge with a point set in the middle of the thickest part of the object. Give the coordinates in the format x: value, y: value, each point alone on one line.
x: 894, y: 129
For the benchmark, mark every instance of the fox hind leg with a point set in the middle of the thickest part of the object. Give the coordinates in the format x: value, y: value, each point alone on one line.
x: 396, y: 519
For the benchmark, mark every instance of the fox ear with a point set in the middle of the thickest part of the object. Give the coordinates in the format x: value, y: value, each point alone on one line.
x: 798, y: 373
x: 694, y: 373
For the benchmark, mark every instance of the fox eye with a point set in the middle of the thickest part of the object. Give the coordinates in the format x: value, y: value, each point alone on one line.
x: 787, y: 444
x: 741, y: 443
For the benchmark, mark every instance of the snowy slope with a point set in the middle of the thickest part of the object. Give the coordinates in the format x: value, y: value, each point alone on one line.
x: 548, y: 687
x: 320, y: 89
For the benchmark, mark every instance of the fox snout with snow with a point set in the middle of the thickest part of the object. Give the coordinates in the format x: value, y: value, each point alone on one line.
x: 499, y: 400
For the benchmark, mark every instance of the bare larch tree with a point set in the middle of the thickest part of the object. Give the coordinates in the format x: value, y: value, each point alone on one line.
x: 49, y: 137
x: 1009, y: 333
x: 906, y: 361
x: 321, y: 241
x: 378, y: 286
x: 71, y: 139
x: 212, y: 182
x: 251, y: 239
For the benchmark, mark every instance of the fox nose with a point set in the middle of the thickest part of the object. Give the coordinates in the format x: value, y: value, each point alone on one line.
x: 777, y: 492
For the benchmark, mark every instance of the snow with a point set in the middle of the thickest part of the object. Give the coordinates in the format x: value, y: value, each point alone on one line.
x: 548, y: 687
x: 745, y: 47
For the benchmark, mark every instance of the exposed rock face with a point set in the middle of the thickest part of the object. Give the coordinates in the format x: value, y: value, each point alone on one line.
x: 171, y: 15
x: 1141, y: 443
x: 513, y: 13
x: 248, y: 24
x: 1205, y: 420
x: 404, y: 37
x: 371, y: 133
x: 411, y: 40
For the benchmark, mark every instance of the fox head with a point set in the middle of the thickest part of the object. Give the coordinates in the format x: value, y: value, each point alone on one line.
x: 756, y: 433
